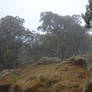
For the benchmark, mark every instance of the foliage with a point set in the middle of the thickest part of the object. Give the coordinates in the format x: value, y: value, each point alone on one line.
x: 63, y: 37
x: 13, y: 36
x: 68, y: 33
x: 88, y: 14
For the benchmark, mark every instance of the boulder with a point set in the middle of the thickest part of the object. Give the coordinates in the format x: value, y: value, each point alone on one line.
x: 80, y: 62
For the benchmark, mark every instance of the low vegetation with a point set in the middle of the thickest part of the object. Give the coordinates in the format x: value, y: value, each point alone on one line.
x: 50, y: 77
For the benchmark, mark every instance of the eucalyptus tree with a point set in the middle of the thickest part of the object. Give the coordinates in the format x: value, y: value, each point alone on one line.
x: 68, y: 32
x: 13, y: 35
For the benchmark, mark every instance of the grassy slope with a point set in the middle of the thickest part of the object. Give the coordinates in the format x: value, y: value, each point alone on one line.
x: 48, y: 78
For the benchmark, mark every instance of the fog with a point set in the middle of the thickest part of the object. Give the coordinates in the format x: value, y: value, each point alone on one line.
x: 30, y: 9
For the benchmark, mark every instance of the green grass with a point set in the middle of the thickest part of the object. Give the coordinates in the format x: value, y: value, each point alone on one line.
x: 13, y: 79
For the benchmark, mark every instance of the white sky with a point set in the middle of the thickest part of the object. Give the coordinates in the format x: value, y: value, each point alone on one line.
x: 30, y: 9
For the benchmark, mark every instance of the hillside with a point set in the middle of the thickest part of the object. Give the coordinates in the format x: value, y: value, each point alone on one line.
x: 71, y: 75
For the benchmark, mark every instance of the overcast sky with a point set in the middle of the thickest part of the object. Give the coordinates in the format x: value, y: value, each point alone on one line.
x: 30, y: 9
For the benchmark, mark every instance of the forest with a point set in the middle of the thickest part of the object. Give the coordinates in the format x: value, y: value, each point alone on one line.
x: 56, y: 36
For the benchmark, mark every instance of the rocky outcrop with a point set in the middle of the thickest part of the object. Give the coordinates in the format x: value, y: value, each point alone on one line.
x: 5, y: 72
x: 80, y: 62
x: 46, y: 60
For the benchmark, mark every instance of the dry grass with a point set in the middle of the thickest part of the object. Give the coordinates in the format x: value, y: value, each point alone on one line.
x: 49, y: 78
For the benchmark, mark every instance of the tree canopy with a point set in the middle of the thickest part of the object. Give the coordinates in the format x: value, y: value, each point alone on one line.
x: 61, y: 36
x: 88, y: 14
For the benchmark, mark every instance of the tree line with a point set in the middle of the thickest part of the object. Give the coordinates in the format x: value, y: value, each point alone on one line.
x: 62, y: 36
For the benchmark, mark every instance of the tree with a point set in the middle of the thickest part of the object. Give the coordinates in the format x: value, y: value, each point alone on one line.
x: 13, y: 36
x: 77, y: 19
x: 88, y: 15
x: 52, y: 23
x: 66, y: 29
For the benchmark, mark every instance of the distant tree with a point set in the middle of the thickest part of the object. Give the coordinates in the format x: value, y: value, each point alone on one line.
x: 66, y: 29
x: 13, y: 35
x: 53, y: 23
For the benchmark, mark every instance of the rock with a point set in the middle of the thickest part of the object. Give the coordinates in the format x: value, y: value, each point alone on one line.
x: 80, y: 62
x: 5, y: 72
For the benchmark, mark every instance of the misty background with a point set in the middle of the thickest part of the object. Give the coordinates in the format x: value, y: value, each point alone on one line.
x: 33, y: 29
x: 30, y: 9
